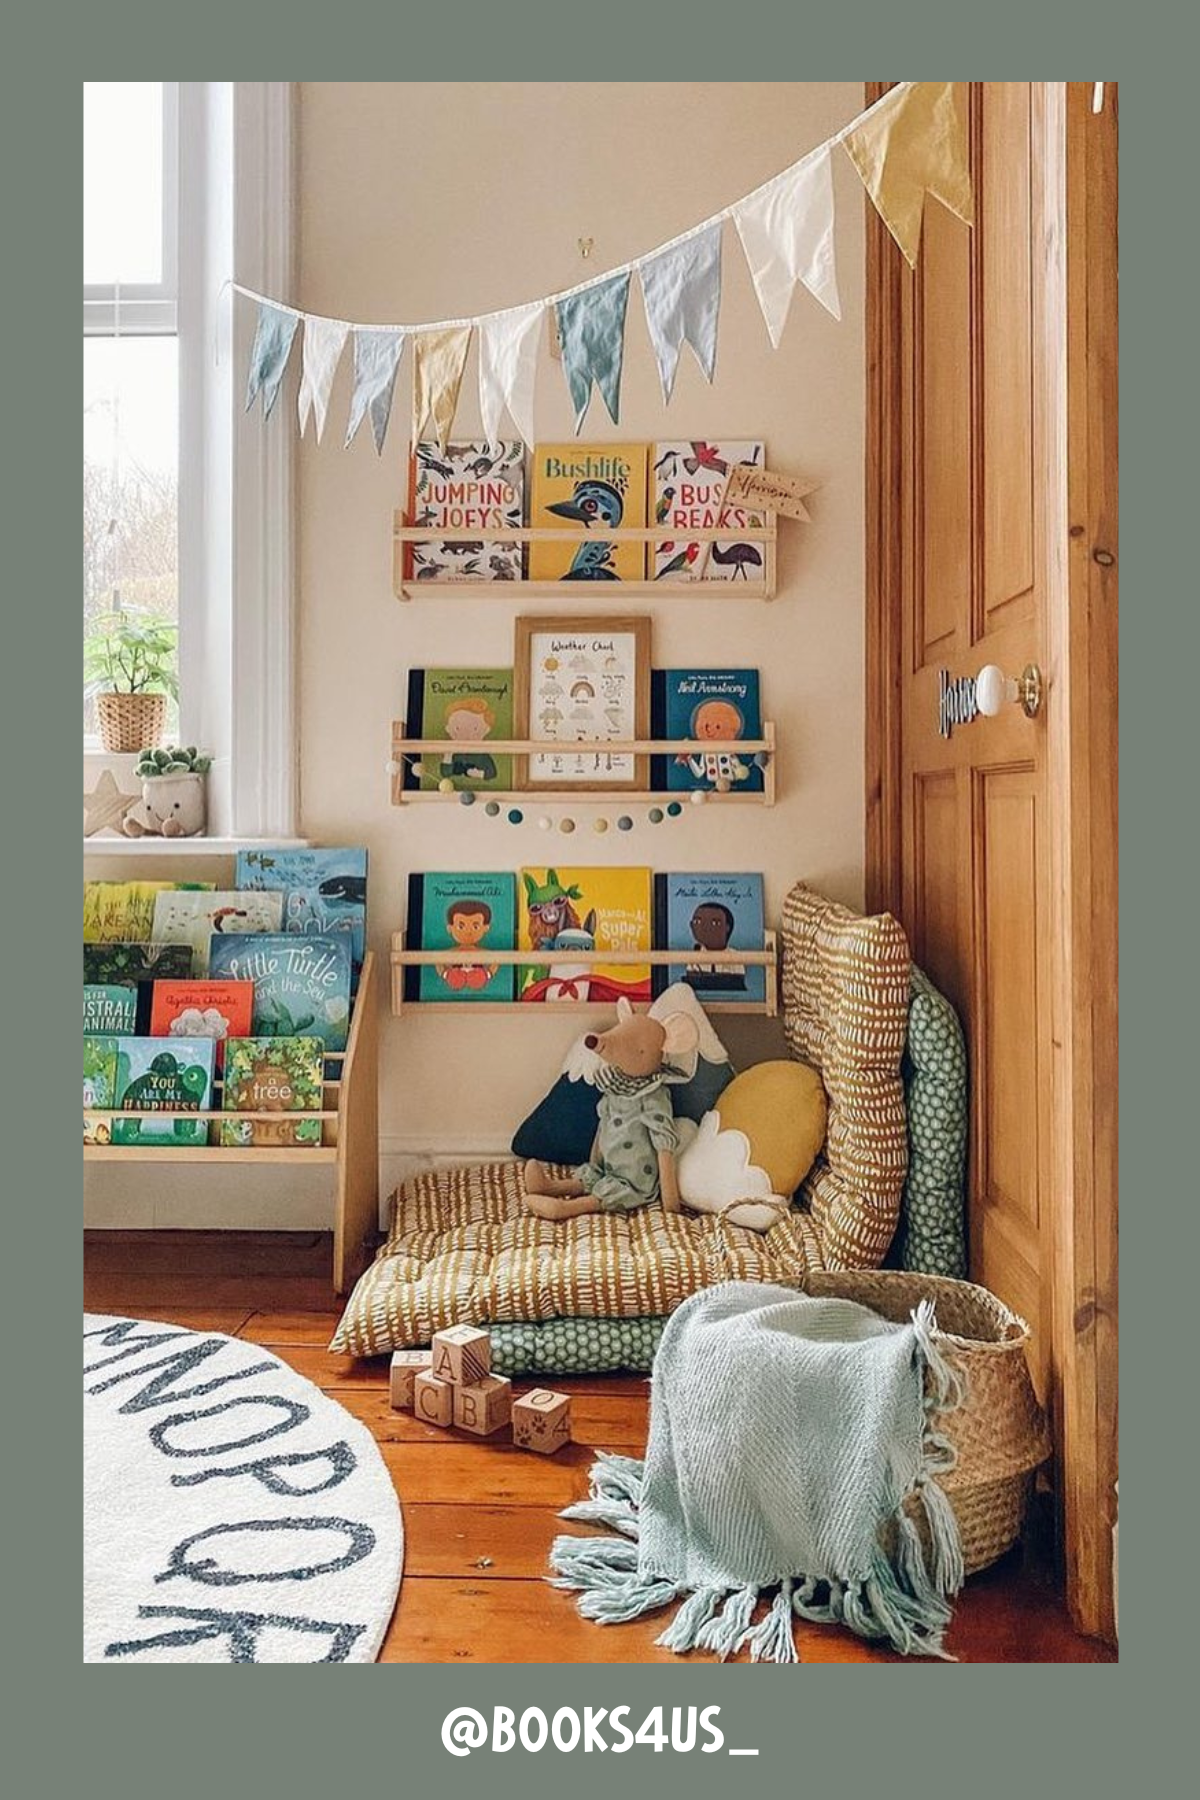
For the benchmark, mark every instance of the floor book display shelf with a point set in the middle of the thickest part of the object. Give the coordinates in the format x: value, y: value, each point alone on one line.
x: 349, y: 1144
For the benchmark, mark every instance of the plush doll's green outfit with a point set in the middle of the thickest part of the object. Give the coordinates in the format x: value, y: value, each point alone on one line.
x: 635, y: 1121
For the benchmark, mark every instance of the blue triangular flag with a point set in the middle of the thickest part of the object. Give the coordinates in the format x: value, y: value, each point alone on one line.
x: 376, y: 360
x: 682, y: 290
x: 269, y: 353
x: 592, y: 328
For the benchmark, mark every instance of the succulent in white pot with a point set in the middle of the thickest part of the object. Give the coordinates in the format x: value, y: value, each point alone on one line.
x: 173, y: 802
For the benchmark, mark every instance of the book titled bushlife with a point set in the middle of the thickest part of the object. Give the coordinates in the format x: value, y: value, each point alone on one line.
x: 196, y: 918
x: 301, y: 984
x: 593, y: 488
x: 123, y: 911
x: 277, y: 1075
x: 717, y: 705
x: 156, y: 1077
x: 687, y: 481
x: 195, y: 1009
x: 466, y: 707
x: 563, y: 911
x: 109, y: 1009
x: 472, y: 912
x: 476, y: 488
x: 711, y: 912
x: 324, y: 891
x: 99, y: 1086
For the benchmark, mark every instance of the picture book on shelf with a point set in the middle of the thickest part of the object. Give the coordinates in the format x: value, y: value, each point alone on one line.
x: 709, y: 912
x: 131, y: 963
x: 278, y: 1075
x: 157, y: 1077
x: 589, y: 487
x: 716, y: 704
x: 99, y: 1086
x: 323, y: 890
x: 687, y: 481
x: 467, y: 706
x: 564, y: 910
x: 123, y: 911
x: 461, y: 911
x: 301, y: 984
x: 196, y: 919
x: 477, y: 488
x: 109, y: 1008
x: 196, y: 1009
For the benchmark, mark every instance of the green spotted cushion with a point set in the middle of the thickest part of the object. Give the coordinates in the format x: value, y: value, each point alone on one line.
x: 932, y: 1235
x: 574, y: 1346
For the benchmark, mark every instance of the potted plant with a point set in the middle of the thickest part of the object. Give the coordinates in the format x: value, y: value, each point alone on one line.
x: 173, y: 797
x: 129, y: 670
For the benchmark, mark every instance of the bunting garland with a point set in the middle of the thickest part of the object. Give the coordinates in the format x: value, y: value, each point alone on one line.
x: 910, y: 143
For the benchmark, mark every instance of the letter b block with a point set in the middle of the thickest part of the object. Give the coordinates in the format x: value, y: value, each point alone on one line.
x: 484, y: 1406
x: 406, y: 1366
x: 463, y: 1355
x: 433, y: 1400
x: 541, y: 1421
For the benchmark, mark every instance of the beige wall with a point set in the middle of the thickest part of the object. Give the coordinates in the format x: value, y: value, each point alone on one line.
x: 425, y: 200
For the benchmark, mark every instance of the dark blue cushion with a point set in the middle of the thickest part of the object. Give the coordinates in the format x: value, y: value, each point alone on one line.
x: 562, y: 1127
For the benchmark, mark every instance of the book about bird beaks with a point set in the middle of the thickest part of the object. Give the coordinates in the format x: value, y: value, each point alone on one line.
x: 687, y: 482
x: 588, y: 487
x: 477, y: 488
x: 568, y: 910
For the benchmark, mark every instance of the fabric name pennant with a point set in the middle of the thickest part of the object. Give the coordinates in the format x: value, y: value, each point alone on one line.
x: 681, y: 288
x: 912, y: 142
x: 786, y: 230
x: 439, y: 358
x: 324, y: 341
x: 508, y: 349
x: 376, y: 359
x: 592, y: 328
x: 269, y: 353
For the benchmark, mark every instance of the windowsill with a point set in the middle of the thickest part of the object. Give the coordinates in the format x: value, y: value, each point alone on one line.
x: 194, y: 846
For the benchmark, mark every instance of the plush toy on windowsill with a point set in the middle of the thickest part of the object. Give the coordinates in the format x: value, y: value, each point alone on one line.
x: 633, y: 1157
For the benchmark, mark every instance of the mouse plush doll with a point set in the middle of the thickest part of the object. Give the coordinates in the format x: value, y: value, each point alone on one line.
x: 633, y: 1157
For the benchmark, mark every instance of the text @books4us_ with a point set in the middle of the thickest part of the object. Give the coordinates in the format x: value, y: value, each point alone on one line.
x: 590, y: 1728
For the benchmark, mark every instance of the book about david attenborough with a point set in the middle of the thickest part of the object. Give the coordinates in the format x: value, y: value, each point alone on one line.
x: 301, y: 984
x: 590, y: 487
x: 477, y: 488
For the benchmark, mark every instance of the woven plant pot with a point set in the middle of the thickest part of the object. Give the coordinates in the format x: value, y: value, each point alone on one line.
x: 131, y: 722
x: 999, y: 1434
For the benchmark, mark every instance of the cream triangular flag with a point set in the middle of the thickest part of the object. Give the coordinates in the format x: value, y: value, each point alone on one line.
x: 324, y: 341
x: 913, y: 142
x: 508, y: 347
x: 786, y: 228
x: 439, y: 358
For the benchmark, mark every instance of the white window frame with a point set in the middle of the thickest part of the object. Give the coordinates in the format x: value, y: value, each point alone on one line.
x: 145, y: 309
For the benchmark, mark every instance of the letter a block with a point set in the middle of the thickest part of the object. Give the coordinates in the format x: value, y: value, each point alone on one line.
x: 485, y: 1406
x: 463, y: 1355
x: 406, y: 1366
x: 541, y: 1421
x: 433, y: 1400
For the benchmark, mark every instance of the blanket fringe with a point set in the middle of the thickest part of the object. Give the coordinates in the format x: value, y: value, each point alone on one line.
x: 725, y: 1635
x: 681, y: 1634
x: 774, y: 1640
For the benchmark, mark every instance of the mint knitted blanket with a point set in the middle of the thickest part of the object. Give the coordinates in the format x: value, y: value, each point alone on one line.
x: 786, y: 1433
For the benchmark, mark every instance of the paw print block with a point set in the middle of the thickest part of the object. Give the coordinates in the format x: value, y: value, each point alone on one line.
x: 541, y: 1421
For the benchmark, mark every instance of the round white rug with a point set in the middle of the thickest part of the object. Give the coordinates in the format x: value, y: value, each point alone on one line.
x: 232, y: 1511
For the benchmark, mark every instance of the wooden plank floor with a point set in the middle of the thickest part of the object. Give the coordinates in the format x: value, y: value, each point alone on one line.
x: 479, y: 1517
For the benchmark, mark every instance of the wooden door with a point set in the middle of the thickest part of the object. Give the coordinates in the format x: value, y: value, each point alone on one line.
x: 986, y: 378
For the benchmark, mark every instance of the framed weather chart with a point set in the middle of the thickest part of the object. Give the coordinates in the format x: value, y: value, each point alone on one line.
x: 579, y: 684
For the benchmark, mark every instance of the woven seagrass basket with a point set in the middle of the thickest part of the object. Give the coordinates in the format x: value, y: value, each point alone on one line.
x: 999, y: 1433
x: 130, y: 722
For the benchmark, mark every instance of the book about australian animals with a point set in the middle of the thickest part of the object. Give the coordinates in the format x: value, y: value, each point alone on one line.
x: 565, y: 910
x: 301, y: 984
x: 472, y: 912
x: 588, y: 487
x: 123, y: 911
x: 477, y: 488
x: 277, y: 1075
x: 711, y: 912
x: 323, y: 891
x: 687, y: 482
x: 153, y: 1076
x: 195, y: 1009
x: 196, y: 919
x: 714, y: 704
x: 466, y: 706
x: 109, y: 1009
x: 99, y: 1086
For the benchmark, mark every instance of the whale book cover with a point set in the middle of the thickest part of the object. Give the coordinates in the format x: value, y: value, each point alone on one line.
x: 277, y: 1075
x: 323, y: 891
x: 466, y: 911
x: 709, y: 912
x: 564, y: 910
x: 687, y: 482
x: 301, y: 984
x: 588, y: 487
x: 476, y: 488
x: 158, y: 1076
x: 707, y: 704
x: 466, y: 707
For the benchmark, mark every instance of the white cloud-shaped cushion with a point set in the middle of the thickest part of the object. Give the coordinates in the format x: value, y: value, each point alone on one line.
x: 715, y: 1171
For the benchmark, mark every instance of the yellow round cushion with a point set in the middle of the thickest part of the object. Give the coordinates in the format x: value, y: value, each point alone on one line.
x: 780, y: 1106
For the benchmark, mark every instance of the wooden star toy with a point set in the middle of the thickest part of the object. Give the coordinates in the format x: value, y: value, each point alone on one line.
x: 105, y: 806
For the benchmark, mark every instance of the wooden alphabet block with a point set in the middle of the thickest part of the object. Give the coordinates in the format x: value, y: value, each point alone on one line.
x: 484, y: 1406
x: 463, y: 1355
x: 541, y: 1421
x: 433, y: 1400
x: 406, y: 1366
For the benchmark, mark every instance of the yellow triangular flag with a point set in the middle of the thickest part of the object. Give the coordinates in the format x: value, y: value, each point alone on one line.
x: 912, y: 142
x: 439, y: 358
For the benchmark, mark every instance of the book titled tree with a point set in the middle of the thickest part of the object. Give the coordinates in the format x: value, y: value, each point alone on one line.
x: 277, y: 1075
x: 109, y: 1009
x: 154, y: 1077
x: 475, y: 489
x: 301, y: 985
